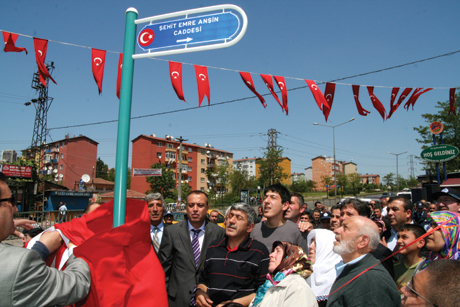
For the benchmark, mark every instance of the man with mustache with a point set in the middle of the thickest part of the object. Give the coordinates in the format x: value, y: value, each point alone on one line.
x: 156, y: 206
x: 235, y: 265
x: 356, y: 238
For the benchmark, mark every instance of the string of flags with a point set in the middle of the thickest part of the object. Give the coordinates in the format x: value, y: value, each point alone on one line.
x: 324, y: 101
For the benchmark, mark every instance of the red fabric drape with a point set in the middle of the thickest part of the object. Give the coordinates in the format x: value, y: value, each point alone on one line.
x: 282, y: 85
x: 120, y: 68
x: 319, y: 97
x: 97, y: 65
x: 329, y: 96
x: 403, y: 96
x: 361, y: 110
x: 452, y: 101
x: 376, y: 102
x: 415, y: 95
x: 10, y: 40
x: 269, y: 83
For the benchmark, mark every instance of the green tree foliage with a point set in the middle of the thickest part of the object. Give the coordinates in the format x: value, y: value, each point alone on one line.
x: 412, y: 182
x: 270, y: 167
x: 299, y: 186
x: 102, y: 169
x: 185, y: 189
x: 164, y: 184
x: 355, y: 182
x: 389, y: 179
x: 218, y: 176
x: 310, y: 185
x: 240, y: 180
x: 326, y: 180
x: 451, y: 134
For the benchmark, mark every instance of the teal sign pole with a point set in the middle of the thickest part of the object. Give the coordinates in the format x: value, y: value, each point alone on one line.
x: 124, y: 119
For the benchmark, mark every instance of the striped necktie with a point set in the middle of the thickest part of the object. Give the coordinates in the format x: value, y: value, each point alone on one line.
x: 156, y: 243
x: 196, y: 255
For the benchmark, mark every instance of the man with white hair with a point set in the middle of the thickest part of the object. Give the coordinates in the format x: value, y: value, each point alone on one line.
x: 361, y: 279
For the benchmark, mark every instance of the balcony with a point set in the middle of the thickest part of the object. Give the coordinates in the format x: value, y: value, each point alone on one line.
x: 54, y: 149
x: 54, y: 160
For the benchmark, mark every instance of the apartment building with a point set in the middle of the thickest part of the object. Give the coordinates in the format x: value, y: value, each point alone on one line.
x: 324, y: 166
x: 252, y: 166
x: 9, y: 156
x: 370, y: 178
x: 149, y: 149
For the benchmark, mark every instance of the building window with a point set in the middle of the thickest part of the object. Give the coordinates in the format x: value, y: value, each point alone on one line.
x: 62, y: 144
x: 202, y: 170
x: 189, y: 178
x: 169, y: 145
x: 189, y: 168
x: 62, y: 156
x: 170, y: 155
x: 189, y: 159
x: 61, y: 167
x: 202, y: 189
x: 159, y: 144
x: 203, y: 152
x: 159, y: 155
x: 203, y: 161
x: 168, y: 166
x: 190, y: 149
x: 56, y: 145
x: 202, y: 179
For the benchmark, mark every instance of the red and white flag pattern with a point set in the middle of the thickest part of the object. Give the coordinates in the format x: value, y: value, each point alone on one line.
x: 269, y: 83
x: 415, y: 95
x: 98, y: 64
x: 247, y: 78
x: 175, y: 72
x: 452, y: 101
x: 376, y: 102
x: 120, y: 69
x: 203, y: 83
x: 282, y: 85
x: 361, y: 110
x: 41, y: 46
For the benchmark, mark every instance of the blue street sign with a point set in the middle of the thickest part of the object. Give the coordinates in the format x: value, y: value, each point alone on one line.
x: 209, y: 28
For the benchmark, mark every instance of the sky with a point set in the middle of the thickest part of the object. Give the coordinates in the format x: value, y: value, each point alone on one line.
x: 315, y: 40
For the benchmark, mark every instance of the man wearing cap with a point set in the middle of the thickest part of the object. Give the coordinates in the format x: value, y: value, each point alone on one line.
x: 156, y: 206
x: 419, y: 216
x: 168, y: 218
x: 447, y: 200
x: 324, y: 220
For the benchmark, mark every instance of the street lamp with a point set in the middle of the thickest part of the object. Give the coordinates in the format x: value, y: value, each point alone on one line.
x: 333, y: 144
x: 397, y: 177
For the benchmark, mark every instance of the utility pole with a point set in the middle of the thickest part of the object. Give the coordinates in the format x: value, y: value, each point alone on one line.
x: 272, y: 144
x: 179, y: 172
x: 411, y: 166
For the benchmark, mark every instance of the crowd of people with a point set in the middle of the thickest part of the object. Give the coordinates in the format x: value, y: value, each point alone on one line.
x: 387, y: 253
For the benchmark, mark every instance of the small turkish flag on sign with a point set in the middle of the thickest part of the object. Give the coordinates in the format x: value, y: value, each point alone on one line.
x: 97, y: 64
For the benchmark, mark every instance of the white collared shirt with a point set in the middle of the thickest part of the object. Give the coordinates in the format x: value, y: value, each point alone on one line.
x: 159, y: 233
x: 200, y: 235
x: 341, y: 265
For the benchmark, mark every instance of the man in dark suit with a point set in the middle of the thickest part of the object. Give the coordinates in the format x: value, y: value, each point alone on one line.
x: 183, y: 250
x: 156, y: 206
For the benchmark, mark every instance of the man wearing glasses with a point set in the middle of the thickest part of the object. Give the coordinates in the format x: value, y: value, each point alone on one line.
x: 25, y: 280
x: 434, y: 286
x: 447, y: 200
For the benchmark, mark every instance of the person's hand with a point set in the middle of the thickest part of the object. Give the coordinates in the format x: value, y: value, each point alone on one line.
x: 52, y: 240
x: 305, y: 227
x: 202, y: 299
x: 24, y: 223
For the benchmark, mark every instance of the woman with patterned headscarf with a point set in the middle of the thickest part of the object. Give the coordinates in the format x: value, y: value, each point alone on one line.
x: 444, y: 243
x: 286, y: 285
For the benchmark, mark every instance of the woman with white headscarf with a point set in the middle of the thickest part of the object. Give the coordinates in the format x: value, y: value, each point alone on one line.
x: 320, y: 245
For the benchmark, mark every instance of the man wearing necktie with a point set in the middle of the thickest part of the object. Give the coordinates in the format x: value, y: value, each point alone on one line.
x: 156, y: 205
x: 183, y: 250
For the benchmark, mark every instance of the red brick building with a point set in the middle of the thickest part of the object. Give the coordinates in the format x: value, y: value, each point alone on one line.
x: 375, y: 179
x: 149, y: 149
x: 69, y: 159
x: 322, y: 166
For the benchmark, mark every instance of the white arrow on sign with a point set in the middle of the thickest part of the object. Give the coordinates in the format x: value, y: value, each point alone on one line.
x: 184, y: 40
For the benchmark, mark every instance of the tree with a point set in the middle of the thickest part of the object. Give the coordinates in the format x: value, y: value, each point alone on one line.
x: 327, y: 181
x: 310, y: 185
x: 218, y: 176
x: 102, y: 169
x: 388, y: 179
x: 412, y: 182
x: 240, y: 180
x: 164, y: 184
x: 270, y: 167
x: 451, y: 134
x: 299, y: 186
x: 355, y: 182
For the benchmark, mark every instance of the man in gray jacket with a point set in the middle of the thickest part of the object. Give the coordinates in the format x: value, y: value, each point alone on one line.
x: 25, y: 280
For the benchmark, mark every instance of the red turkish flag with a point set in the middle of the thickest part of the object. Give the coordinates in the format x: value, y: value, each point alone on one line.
x: 203, y: 83
x: 120, y: 68
x: 452, y: 101
x: 376, y: 102
x: 10, y: 40
x: 394, y: 93
x: 175, y: 72
x: 415, y: 95
x: 41, y: 46
x: 361, y: 110
x: 269, y: 83
x: 329, y: 96
x: 282, y: 85
x: 321, y: 101
x: 403, y: 96
x: 247, y: 78
x: 98, y: 64
x: 124, y: 266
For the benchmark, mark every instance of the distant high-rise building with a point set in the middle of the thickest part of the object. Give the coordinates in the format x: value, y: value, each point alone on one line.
x: 9, y: 156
